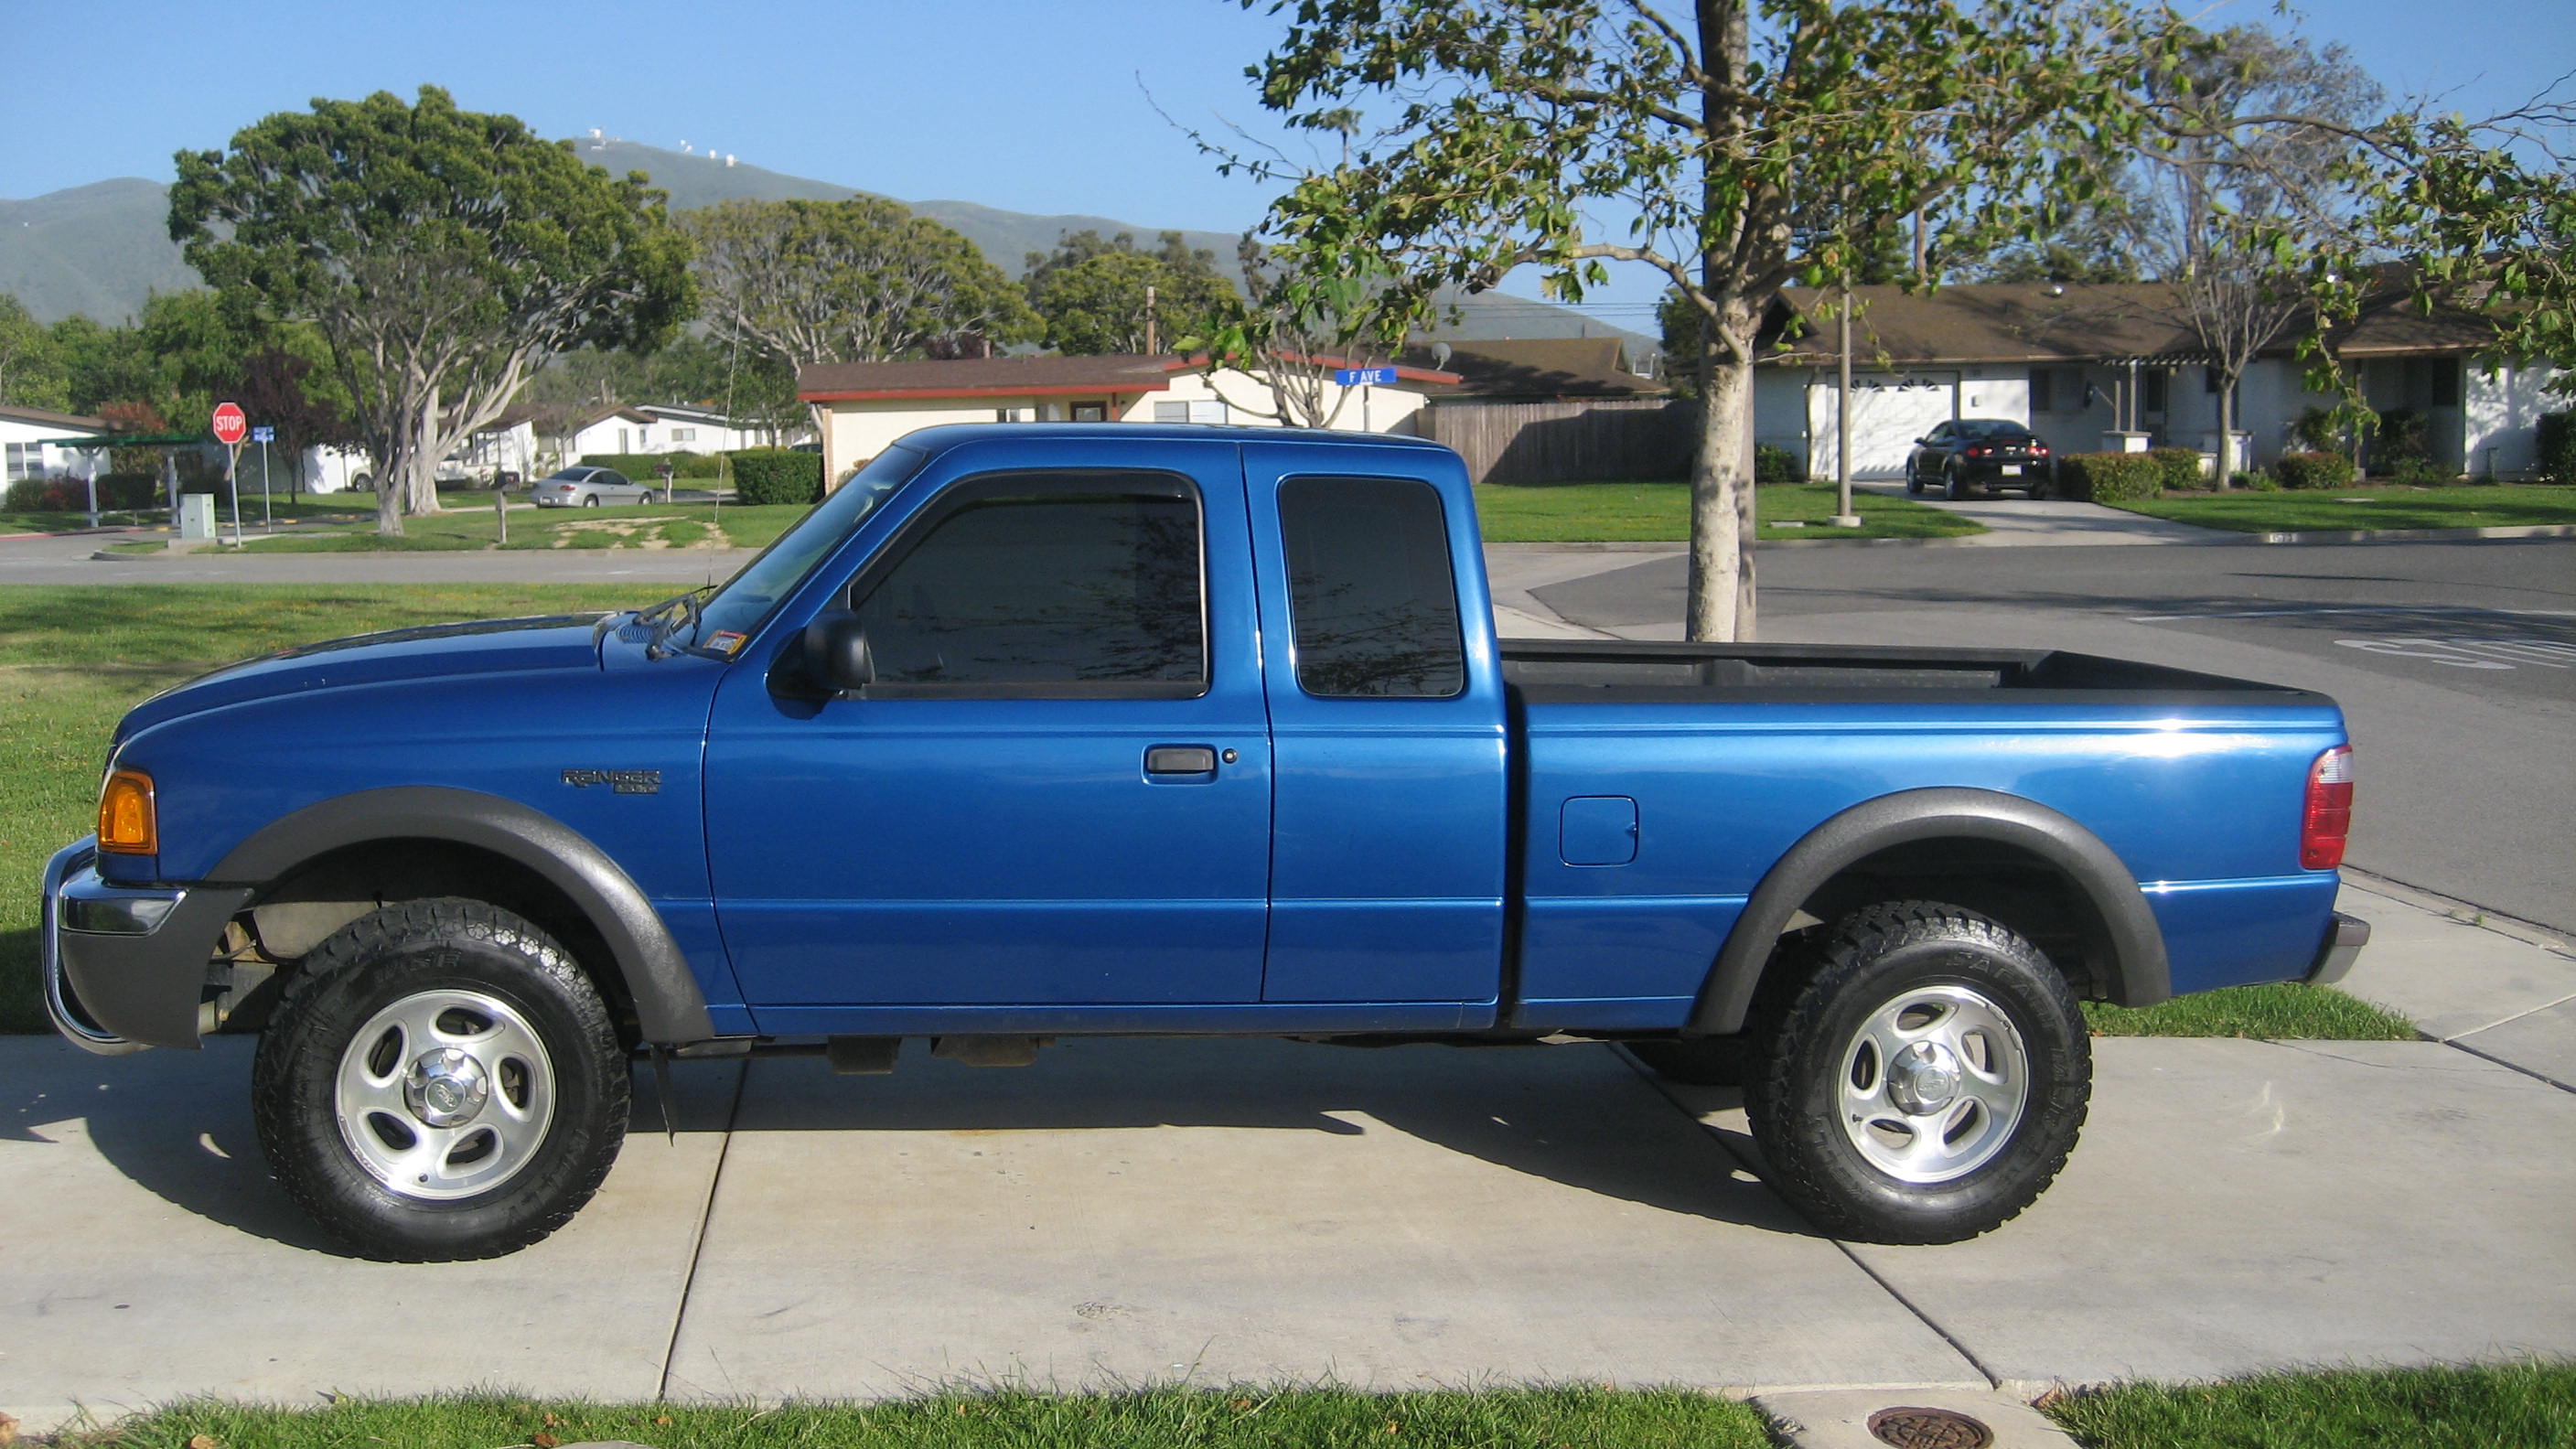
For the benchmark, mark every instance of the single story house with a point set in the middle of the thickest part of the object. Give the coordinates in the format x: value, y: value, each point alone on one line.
x: 2115, y: 366
x: 863, y: 406
x: 1555, y: 409
x: 39, y: 444
x: 1539, y: 369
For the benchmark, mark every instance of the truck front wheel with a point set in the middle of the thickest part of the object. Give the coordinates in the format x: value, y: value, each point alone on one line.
x: 1926, y: 1080
x: 440, y: 1082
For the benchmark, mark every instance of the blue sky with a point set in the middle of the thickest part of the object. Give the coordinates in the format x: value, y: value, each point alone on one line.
x: 1031, y: 105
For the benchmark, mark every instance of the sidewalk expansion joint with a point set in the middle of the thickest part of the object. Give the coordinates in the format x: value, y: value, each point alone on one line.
x: 2467, y: 913
x: 2457, y: 1045
x: 1983, y: 1370
x: 698, y: 1240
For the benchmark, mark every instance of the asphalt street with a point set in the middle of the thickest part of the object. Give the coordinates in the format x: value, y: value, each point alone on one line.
x: 2455, y: 663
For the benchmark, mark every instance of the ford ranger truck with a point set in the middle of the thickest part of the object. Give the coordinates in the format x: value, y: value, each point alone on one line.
x: 1032, y: 731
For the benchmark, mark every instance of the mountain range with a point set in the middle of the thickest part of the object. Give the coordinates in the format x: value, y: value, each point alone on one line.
x: 101, y: 249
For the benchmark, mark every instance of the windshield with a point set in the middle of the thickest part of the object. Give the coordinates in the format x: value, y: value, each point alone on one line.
x: 749, y: 596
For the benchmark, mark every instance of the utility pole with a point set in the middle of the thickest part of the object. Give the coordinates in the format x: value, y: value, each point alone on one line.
x: 1153, y: 332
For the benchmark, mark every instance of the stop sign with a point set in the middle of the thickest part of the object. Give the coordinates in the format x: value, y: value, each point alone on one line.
x: 230, y: 425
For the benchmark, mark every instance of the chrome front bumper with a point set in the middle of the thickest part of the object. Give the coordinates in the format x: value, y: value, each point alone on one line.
x: 125, y: 966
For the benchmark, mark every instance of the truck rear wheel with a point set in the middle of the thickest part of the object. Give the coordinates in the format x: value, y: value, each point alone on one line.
x: 1925, y: 1082
x: 440, y: 1082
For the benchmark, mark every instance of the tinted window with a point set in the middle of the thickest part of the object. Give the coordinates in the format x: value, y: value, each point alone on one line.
x: 1369, y: 587
x: 1051, y: 588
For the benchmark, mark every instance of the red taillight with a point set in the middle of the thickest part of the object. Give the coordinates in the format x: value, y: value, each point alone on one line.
x: 2329, y: 814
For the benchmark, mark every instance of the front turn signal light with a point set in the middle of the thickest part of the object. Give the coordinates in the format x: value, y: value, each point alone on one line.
x: 127, y: 822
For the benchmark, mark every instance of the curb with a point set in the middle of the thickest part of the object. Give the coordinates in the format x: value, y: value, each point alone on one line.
x: 2419, y: 535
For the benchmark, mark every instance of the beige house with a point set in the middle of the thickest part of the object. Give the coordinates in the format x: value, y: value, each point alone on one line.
x: 862, y: 406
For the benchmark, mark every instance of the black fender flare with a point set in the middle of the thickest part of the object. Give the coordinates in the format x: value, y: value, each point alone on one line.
x: 668, y: 1005
x: 2128, y: 933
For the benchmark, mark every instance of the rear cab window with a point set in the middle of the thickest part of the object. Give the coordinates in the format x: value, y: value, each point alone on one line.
x: 1370, y: 589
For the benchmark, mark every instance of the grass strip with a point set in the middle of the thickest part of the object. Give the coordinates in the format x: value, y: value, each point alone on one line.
x: 2511, y: 1406
x: 2392, y: 505
x: 2284, y: 1011
x: 649, y: 526
x: 1202, y: 1418
x: 1660, y: 513
x: 80, y: 656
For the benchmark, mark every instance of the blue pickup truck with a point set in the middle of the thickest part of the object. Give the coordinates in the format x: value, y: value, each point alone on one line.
x: 1031, y: 731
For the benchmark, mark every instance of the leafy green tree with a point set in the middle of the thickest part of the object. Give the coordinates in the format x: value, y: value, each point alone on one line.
x: 859, y: 280
x: 1092, y: 294
x: 441, y: 254
x: 31, y: 373
x: 2482, y: 214
x: 1503, y: 128
x: 194, y: 344
x: 101, y: 365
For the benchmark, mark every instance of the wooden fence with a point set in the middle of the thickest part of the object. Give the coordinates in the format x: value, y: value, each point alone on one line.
x: 1609, y: 440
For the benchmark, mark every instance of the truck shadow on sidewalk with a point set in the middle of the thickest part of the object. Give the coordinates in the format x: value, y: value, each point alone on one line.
x: 178, y: 1124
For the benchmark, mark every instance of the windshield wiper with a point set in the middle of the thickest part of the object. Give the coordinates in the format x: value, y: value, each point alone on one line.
x: 676, y: 612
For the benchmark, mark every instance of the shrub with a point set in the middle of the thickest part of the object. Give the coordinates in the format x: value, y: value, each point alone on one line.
x: 639, y: 467
x: 2177, y: 469
x: 2107, y: 477
x: 117, y: 492
x: 2399, y: 438
x: 2318, y: 430
x: 1775, y: 465
x: 777, y: 475
x: 2425, y: 473
x: 2253, y: 480
x: 2314, y: 470
x: 2557, y: 451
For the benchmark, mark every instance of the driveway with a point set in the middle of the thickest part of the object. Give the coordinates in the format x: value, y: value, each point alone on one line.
x: 1134, y: 1211
x: 2012, y: 520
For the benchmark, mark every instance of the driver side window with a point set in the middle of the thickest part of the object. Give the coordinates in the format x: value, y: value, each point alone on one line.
x: 1032, y: 594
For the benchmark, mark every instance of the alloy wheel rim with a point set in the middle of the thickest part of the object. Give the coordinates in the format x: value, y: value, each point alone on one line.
x: 445, y: 1094
x: 1932, y: 1084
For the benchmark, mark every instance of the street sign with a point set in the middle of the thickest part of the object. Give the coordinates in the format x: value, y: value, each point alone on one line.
x: 263, y: 435
x: 230, y: 425
x: 1355, y: 376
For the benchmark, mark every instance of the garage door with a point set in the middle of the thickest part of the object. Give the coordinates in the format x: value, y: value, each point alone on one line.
x: 1889, y: 411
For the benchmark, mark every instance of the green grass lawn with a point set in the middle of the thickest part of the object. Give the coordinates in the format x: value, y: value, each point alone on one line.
x: 1660, y: 513
x: 473, y: 526
x: 1201, y: 1418
x: 2373, y: 506
x: 2287, y: 1011
x: 2511, y: 1406
x: 2514, y: 1406
x: 79, y: 657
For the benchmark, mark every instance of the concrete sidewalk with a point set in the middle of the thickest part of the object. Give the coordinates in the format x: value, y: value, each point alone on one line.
x: 1143, y: 1210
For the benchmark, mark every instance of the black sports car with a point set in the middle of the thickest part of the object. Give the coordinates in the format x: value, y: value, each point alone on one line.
x: 1975, y: 453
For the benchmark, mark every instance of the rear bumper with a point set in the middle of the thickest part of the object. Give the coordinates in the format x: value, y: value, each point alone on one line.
x: 1989, y: 472
x: 125, y: 967
x: 2345, y: 936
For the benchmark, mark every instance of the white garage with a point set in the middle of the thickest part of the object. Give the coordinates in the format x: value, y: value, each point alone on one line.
x: 1889, y: 411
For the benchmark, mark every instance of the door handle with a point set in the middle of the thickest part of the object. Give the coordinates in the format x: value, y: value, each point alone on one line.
x: 1180, y: 760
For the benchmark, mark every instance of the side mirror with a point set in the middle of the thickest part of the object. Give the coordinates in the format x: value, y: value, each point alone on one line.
x: 836, y: 651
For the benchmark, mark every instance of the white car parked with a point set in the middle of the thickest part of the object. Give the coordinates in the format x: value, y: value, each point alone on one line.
x: 587, y: 488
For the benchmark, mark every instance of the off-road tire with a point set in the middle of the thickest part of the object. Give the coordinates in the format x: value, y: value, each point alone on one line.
x: 1808, y: 1039
x: 1706, y: 1061
x: 432, y: 950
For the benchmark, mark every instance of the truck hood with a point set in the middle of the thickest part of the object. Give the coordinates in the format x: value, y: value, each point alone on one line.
x: 489, y: 646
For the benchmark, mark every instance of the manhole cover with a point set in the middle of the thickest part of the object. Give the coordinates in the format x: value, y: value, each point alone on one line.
x: 1929, y: 1429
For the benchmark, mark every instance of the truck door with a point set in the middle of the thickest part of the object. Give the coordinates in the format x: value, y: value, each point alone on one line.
x: 1057, y: 793
x: 1386, y: 718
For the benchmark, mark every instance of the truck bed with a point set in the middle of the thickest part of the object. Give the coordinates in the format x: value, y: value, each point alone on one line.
x: 1550, y: 671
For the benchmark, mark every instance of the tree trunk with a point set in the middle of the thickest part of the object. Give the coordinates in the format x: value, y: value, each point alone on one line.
x: 420, y: 480
x: 2226, y: 430
x: 1720, y: 604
